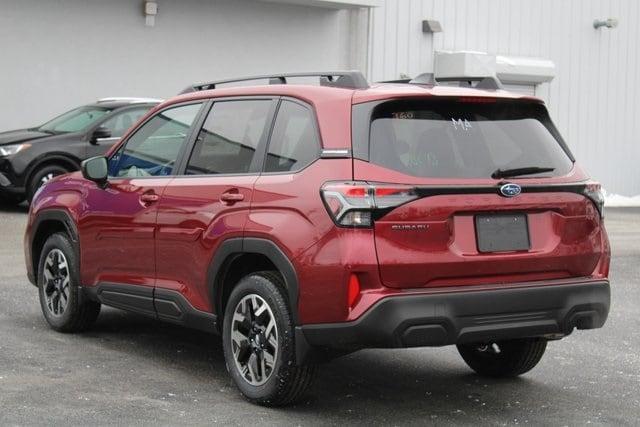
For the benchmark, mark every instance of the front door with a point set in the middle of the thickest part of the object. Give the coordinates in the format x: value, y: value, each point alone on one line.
x: 117, y: 234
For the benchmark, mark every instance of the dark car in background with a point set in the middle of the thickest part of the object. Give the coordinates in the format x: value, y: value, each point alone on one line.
x: 31, y: 157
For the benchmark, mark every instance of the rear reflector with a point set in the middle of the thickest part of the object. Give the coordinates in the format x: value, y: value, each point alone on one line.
x: 354, y: 290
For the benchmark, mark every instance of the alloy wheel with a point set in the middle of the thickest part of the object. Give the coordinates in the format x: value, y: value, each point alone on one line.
x: 489, y: 349
x: 56, y: 282
x: 48, y: 177
x: 254, y: 339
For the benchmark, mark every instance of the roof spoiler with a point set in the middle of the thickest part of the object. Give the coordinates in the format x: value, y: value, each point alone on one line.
x: 342, y: 79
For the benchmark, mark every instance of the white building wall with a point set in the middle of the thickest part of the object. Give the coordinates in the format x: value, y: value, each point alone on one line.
x: 594, y: 96
x: 55, y: 55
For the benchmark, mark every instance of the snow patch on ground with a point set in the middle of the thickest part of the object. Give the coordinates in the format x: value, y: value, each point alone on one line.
x: 618, y: 201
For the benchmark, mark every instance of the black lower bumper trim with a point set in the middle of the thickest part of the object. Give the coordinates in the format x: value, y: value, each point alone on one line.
x: 472, y: 316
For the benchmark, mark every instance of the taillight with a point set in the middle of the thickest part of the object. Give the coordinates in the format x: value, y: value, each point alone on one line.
x: 593, y: 191
x: 358, y: 203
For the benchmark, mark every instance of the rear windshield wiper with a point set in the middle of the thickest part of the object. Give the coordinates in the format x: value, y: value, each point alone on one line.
x: 507, y: 173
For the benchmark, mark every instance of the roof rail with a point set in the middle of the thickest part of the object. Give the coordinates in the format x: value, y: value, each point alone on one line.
x: 128, y: 99
x: 343, y: 79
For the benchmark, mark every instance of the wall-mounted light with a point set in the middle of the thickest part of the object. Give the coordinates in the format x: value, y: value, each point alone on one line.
x: 431, y: 26
x: 150, y: 12
x: 609, y: 23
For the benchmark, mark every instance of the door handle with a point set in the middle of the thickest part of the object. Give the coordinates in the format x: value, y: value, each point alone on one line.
x: 148, y: 198
x: 231, y: 197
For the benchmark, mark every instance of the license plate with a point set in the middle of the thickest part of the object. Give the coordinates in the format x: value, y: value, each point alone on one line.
x: 502, y: 232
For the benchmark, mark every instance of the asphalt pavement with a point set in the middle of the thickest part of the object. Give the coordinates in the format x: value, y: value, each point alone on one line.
x: 130, y: 370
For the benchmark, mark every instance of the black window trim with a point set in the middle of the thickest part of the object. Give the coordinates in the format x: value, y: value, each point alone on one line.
x: 316, y: 126
x: 181, y: 154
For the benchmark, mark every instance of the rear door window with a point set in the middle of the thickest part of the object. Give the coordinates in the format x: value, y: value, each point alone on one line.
x: 229, y: 138
x: 294, y: 141
x: 465, y: 138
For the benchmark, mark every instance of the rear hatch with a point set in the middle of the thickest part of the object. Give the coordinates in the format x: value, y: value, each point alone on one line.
x: 486, y: 192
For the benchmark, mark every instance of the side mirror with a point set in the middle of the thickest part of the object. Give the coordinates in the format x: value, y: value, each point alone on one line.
x: 99, y: 133
x: 95, y: 169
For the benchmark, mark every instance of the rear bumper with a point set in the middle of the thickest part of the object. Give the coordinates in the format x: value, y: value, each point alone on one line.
x: 462, y: 317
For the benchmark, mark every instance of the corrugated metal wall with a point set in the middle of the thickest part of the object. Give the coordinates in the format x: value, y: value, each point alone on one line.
x: 594, y: 96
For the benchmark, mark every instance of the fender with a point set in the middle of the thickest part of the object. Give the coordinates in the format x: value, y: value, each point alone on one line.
x: 57, y: 215
x: 250, y: 245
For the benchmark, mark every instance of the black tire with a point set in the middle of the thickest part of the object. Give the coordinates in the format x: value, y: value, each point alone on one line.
x: 286, y: 382
x: 41, y: 175
x: 79, y: 312
x: 11, y: 199
x: 504, y: 358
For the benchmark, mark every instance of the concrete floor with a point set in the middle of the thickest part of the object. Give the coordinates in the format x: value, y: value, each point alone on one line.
x: 132, y: 370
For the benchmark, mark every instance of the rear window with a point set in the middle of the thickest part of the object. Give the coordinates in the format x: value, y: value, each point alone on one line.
x: 465, y: 138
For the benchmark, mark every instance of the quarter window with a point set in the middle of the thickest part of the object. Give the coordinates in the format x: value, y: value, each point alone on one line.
x: 294, y: 141
x: 229, y: 138
x: 153, y: 150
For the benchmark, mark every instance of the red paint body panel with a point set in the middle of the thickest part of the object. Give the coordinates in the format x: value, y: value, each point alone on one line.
x: 287, y: 208
x: 563, y: 228
x: 192, y: 223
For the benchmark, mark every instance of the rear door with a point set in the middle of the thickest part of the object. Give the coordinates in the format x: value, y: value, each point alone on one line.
x: 460, y: 226
x: 210, y: 201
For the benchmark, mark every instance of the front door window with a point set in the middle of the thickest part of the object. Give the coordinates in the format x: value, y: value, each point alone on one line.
x: 153, y: 150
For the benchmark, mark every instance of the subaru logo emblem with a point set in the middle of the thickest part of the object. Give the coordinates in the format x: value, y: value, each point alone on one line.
x: 510, y: 190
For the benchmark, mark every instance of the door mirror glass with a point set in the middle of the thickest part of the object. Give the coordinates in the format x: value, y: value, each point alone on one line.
x: 95, y: 169
x: 99, y: 133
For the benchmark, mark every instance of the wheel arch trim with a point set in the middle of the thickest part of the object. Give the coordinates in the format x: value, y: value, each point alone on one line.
x: 60, y: 159
x: 54, y: 215
x: 233, y: 247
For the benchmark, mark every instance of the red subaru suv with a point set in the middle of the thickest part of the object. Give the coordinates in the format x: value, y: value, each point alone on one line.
x: 303, y: 222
